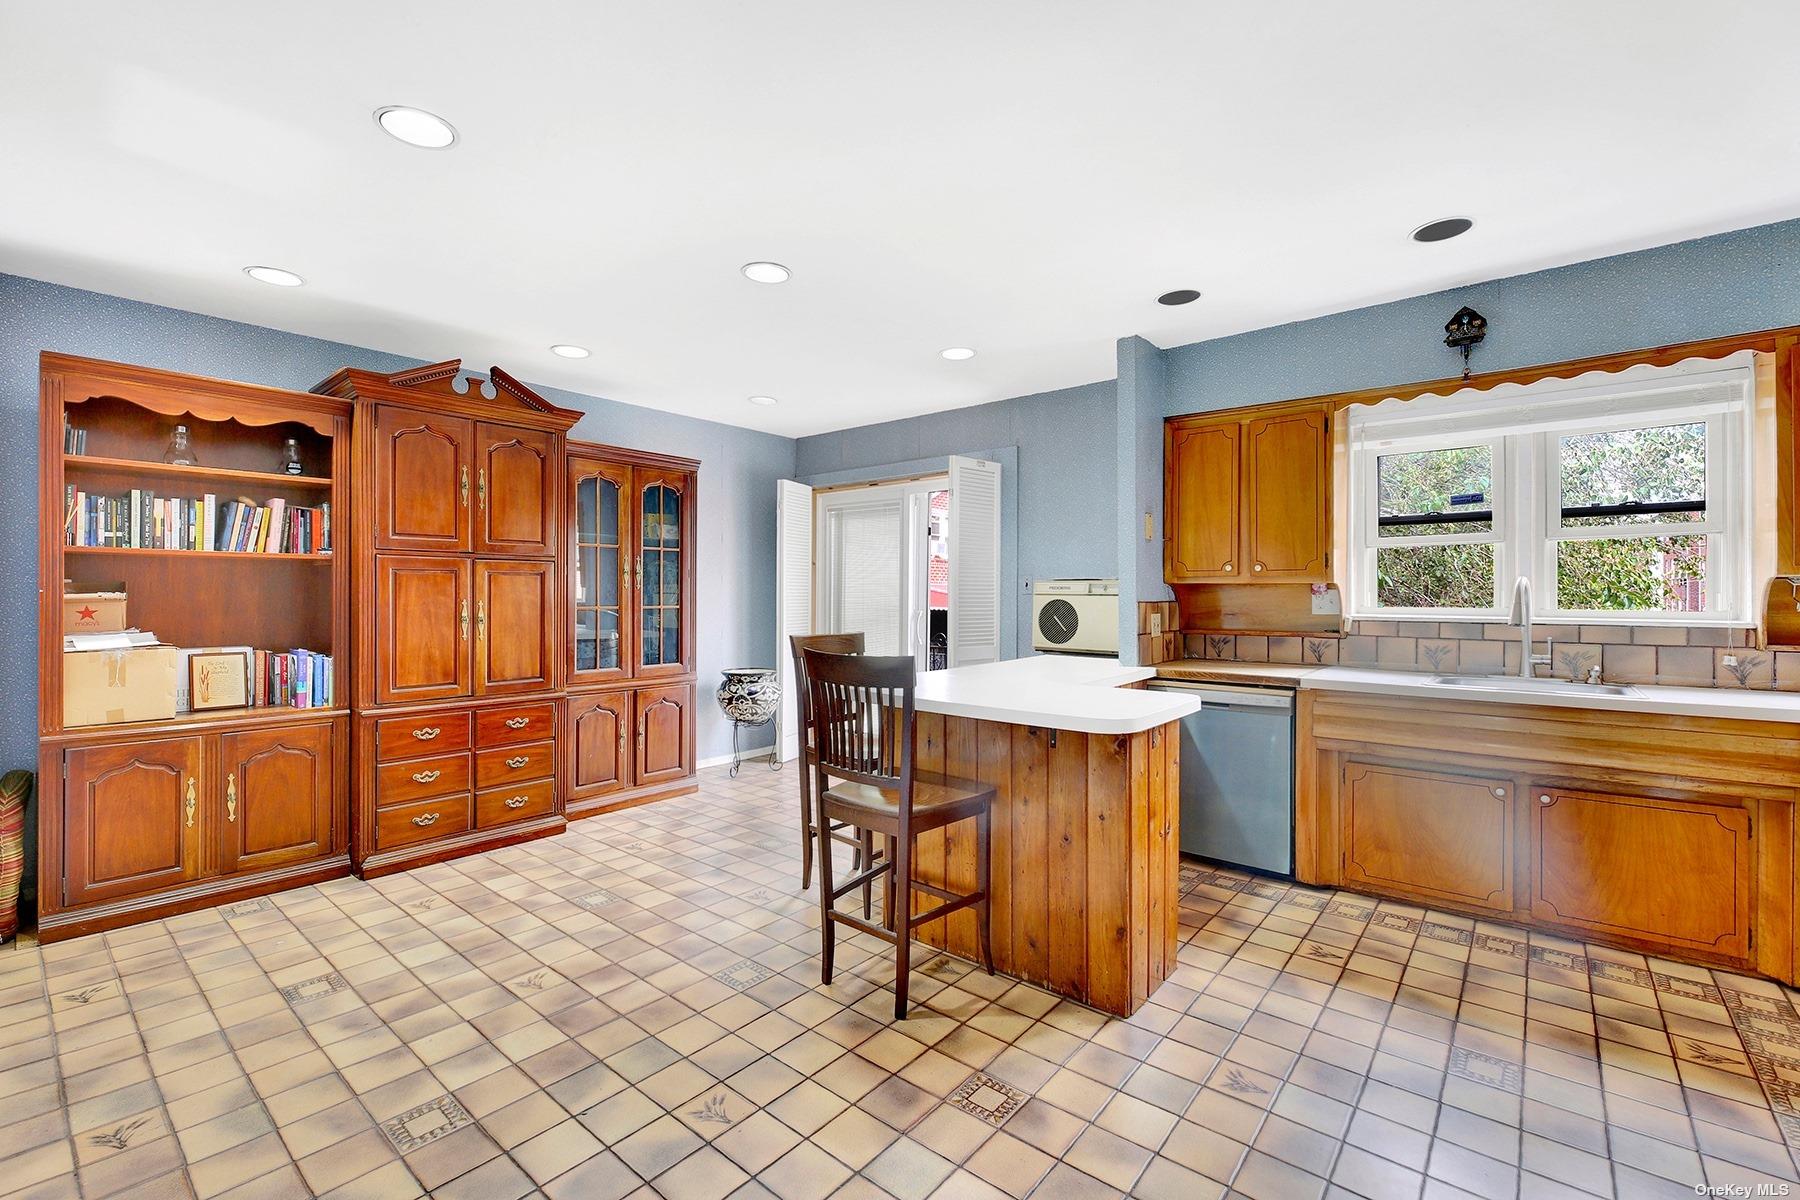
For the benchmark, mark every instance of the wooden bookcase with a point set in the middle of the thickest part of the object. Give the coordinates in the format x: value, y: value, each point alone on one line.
x: 151, y: 818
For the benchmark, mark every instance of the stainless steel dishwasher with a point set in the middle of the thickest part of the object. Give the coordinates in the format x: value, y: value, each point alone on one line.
x: 1237, y: 775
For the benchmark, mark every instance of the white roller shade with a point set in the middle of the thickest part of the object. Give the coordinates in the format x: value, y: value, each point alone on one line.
x: 974, y: 561
x: 863, y: 588
x: 793, y: 596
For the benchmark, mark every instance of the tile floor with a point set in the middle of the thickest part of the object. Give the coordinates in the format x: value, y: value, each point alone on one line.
x: 633, y: 1009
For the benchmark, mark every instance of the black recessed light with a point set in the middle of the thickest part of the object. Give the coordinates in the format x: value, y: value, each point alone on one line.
x: 1178, y: 296
x: 1442, y: 231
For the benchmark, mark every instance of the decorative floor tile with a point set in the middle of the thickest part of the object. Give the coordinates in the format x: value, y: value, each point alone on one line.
x: 245, y: 908
x: 988, y: 1099
x: 598, y: 898
x: 1485, y: 1069
x: 417, y: 1127
x: 316, y: 988
x: 742, y: 975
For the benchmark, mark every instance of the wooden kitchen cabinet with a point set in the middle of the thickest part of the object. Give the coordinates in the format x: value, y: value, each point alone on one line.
x: 278, y: 796
x: 1428, y: 834
x: 423, y: 480
x: 515, y: 626
x: 1247, y: 496
x: 515, y: 491
x: 131, y: 818
x: 601, y: 733
x: 1643, y: 867
x: 601, y: 502
x: 423, y: 615
x: 665, y: 735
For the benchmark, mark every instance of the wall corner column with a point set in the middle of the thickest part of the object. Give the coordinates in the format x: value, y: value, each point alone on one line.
x: 1142, y: 398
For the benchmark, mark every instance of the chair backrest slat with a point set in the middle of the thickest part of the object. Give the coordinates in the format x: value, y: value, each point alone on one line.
x: 798, y: 645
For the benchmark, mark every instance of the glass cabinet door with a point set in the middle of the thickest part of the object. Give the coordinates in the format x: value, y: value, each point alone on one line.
x: 663, y: 545
x: 601, y: 580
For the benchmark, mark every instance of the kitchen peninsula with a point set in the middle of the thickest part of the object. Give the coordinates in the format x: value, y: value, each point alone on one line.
x: 1084, y: 855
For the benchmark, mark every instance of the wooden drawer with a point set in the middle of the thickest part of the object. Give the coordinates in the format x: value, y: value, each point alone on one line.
x: 500, y: 765
x: 422, y: 820
x: 409, y: 737
x: 520, y: 723
x: 498, y: 806
x: 396, y: 783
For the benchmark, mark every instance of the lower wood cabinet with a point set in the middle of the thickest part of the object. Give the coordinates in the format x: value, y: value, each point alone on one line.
x: 665, y: 733
x: 600, y: 727
x: 629, y: 745
x: 162, y: 825
x: 1429, y: 834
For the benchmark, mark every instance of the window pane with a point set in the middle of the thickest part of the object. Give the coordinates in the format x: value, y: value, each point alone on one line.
x: 1426, y: 482
x: 1659, y: 465
x: 1456, y: 576
x: 1645, y: 574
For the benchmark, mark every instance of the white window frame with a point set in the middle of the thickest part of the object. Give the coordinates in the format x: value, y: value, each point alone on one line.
x: 1525, y: 432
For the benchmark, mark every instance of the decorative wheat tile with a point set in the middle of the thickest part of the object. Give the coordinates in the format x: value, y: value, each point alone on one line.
x: 425, y: 1124
x: 316, y: 988
x: 122, y: 1136
x: 1485, y: 1069
x: 988, y: 1099
x: 87, y: 995
x: 540, y: 980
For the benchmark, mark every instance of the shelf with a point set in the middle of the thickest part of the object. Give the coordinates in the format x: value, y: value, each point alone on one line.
x: 198, y: 722
x: 134, y: 466
x: 208, y: 554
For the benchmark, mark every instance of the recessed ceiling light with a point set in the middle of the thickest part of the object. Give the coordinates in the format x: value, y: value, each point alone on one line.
x: 766, y: 272
x: 416, y: 127
x: 570, y: 351
x: 1178, y: 296
x: 765, y: 401
x: 274, y: 275
x: 957, y: 353
x: 1442, y: 231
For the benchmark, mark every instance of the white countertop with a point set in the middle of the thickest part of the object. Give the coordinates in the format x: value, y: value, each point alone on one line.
x: 1053, y: 691
x: 1740, y: 703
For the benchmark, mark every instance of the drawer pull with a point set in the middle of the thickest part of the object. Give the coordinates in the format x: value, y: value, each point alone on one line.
x: 518, y: 761
x: 516, y: 802
x: 424, y: 819
x: 426, y: 776
x: 517, y: 722
x: 426, y: 734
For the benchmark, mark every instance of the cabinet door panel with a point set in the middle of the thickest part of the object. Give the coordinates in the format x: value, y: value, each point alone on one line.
x: 1647, y: 868
x: 1202, y: 502
x: 665, y: 545
x: 132, y: 818
x: 422, y: 480
x: 664, y: 717
x: 278, y: 797
x: 600, y: 605
x: 1288, y: 496
x: 422, y: 642
x: 1429, y: 834
x: 515, y: 635
x: 515, y: 491
x: 601, y: 728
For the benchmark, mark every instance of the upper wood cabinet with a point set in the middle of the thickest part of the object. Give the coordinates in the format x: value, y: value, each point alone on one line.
x: 423, y: 616
x: 515, y: 491
x: 424, y: 481
x: 665, y: 572
x: 131, y: 818
x: 1247, y: 497
x: 278, y: 796
x: 601, y: 505
x: 515, y: 626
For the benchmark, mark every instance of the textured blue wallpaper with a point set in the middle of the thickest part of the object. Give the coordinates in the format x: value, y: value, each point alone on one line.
x: 737, y: 475
x: 1730, y: 283
x: 1142, y: 388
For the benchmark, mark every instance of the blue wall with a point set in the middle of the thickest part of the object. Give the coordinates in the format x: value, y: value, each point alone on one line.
x: 1067, y: 524
x: 737, y: 474
x: 1732, y: 283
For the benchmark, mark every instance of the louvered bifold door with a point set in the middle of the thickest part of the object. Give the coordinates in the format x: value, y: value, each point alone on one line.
x: 974, y: 562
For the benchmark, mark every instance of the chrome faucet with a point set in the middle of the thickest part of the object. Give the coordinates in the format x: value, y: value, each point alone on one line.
x: 1521, y: 616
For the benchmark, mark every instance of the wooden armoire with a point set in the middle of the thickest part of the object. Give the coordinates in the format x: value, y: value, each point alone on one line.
x: 456, y: 549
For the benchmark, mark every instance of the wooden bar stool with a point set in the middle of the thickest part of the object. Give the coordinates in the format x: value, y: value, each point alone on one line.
x: 863, y: 724
x: 862, y: 845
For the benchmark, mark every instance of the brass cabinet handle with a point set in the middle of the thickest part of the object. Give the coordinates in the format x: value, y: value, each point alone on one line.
x: 424, y: 819
x: 426, y: 776
x: 465, y: 485
x: 192, y: 802
x: 231, y: 796
x: 516, y: 802
x: 481, y: 620
x: 481, y: 488
x: 427, y: 733
x: 465, y: 619
x: 519, y: 761
x: 517, y: 722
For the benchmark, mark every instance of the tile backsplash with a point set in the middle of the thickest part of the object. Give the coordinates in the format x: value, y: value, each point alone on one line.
x: 1695, y: 656
x: 1159, y: 632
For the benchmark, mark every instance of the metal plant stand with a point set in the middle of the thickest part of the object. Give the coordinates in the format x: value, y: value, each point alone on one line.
x: 750, y: 697
x: 737, y: 760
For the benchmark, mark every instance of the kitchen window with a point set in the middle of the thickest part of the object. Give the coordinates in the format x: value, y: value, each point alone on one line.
x: 1619, y: 503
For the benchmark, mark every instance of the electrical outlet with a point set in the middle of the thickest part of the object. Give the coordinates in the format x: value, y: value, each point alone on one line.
x: 1729, y: 660
x: 1149, y: 527
x: 1155, y: 624
x: 1326, y: 602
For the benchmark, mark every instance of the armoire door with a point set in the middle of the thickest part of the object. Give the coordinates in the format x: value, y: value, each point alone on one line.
x: 278, y: 797
x: 1201, y: 503
x: 515, y: 631
x: 422, y: 637
x: 600, y: 606
x: 1287, y: 479
x: 601, y: 728
x: 132, y: 818
x: 665, y: 565
x: 664, y: 715
x: 424, y: 480
x: 515, y: 491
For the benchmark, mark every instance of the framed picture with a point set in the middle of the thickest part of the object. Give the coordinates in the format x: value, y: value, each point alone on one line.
x: 219, y: 679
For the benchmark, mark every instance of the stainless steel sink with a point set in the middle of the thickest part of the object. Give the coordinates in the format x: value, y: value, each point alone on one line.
x: 1512, y: 683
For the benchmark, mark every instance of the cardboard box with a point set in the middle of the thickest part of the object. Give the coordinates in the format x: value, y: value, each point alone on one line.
x: 93, y: 612
x: 106, y: 687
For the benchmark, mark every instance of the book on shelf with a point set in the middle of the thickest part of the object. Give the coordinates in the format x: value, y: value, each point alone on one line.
x: 74, y: 439
x: 142, y: 520
x: 272, y: 678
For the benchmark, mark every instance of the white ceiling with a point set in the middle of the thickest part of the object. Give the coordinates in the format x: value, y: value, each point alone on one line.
x: 1020, y: 177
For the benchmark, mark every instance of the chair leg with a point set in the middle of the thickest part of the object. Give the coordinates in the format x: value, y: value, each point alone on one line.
x: 887, y: 888
x: 827, y: 926
x: 983, y: 881
x: 902, y: 924
x: 807, y: 832
x: 865, y: 858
